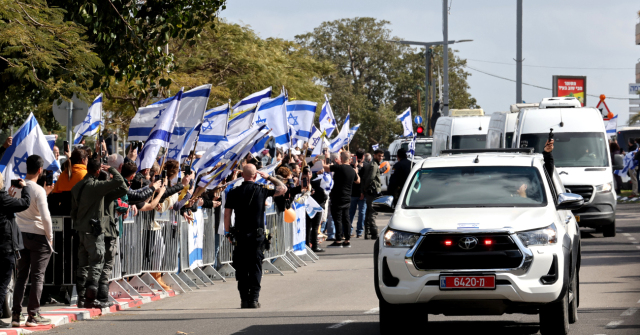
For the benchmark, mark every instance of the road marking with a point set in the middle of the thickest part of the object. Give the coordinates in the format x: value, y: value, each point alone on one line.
x: 631, y: 238
x: 372, y: 311
x: 613, y: 324
x: 626, y: 234
x: 338, y: 325
x: 636, y: 242
x: 629, y: 311
x: 626, y: 219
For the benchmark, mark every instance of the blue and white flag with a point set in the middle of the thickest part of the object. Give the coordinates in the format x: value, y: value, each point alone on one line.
x: 319, y: 148
x: 91, y: 124
x: 299, y: 228
x: 405, y: 119
x: 192, y: 107
x: 629, y: 164
x: 240, y: 121
x: 412, y: 147
x: 343, y: 137
x: 181, y: 144
x: 272, y: 113
x: 327, y: 120
x: 300, y: 115
x: 312, y: 207
x: 315, y: 137
x: 214, y: 127
x: 353, y: 131
x: 375, y: 147
x: 268, y: 170
x: 252, y: 100
x: 612, y: 125
x: 28, y: 140
x: 51, y: 139
x: 224, y: 150
x: 326, y: 181
x: 160, y: 135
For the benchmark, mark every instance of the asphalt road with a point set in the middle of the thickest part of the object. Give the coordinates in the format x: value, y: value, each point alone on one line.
x: 336, y: 296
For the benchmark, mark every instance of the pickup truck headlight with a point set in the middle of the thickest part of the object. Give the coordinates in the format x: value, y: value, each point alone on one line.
x: 544, y: 236
x: 604, y: 188
x: 400, y: 239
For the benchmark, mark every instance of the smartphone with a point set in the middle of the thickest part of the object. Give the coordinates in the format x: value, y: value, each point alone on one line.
x: 164, y: 174
x: 65, y: 146
x: 100, y: 139
x: 16, y: 183
x: 327, y: 161
x: 187, y: 170
x: 139, y: 146
x: 305, y: 182
x: 49, y: 177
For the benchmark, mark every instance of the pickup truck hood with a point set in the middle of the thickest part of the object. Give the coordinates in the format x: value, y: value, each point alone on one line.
x: 485, y: 218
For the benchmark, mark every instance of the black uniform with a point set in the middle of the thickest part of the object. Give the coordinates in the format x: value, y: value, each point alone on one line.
x: 247, y: 201
x: 399, y: 175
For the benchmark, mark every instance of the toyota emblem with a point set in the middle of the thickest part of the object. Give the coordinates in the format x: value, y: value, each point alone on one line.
x: 468, y: 243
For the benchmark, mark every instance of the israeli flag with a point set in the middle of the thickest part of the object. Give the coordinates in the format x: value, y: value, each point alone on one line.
x: 268, y: 170
x: 343, y: 137
x: 229, y: 147
x: 160, y: 135
x: 299, y: 228
x: 353, y: 131
x: 629, y: 164
x: 214, y: 127
x: 51, y: 139
x: 315, y: 137
x: 326, y: 181
x: 300, y: 116
x: 612, y: 125
x: 327, y: 120
x: 412, y: 147
x: 312, y: 207
x: 192, y: 107
x: 252, y: 100
x: 181, y: 144
x: 405, y: 119
x: 272, y: 113
x: 28, y: 140
x: 91, y: 124
x: 240, y: 121
x: 375, y: 147
x: 317, y: 150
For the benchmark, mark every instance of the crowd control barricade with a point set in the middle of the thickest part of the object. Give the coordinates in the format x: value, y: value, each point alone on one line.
x: 209, y: 244
x: 191, y: 251
x: 275, y: 259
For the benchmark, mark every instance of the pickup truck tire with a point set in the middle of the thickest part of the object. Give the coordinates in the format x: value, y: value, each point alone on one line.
x: 392, y: 316
x: 574, y: 289
x: 609, y: 230
x: 554, y: 317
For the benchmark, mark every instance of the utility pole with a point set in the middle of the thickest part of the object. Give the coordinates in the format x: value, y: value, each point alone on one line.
x: 445, y: 57
x: 519, y: 53
x: 428, y: 101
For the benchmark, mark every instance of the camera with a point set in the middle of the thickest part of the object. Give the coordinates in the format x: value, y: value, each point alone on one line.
x: 16, y: 183
x: 551, y: 135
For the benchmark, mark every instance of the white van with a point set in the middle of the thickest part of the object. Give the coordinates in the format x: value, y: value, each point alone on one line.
x: 581, y: 155
x: 502, y: 125
x: 423, y: 150
x: 461, y: 130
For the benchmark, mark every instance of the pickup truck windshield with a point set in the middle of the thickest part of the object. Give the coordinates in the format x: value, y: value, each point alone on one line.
x: 469, y: 142
x: 423, y: 149
x: 482, y: 186
x: 571, y: 149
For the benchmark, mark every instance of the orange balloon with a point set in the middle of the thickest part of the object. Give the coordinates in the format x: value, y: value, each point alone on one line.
x: 385, y: 167
x: 289, y: 215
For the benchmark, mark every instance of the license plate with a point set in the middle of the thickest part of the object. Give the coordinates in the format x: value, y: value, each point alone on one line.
x: 577, y: 218
x: 467, y: 282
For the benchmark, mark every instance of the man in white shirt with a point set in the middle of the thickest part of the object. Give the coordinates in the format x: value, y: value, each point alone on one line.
x: 37, y: 235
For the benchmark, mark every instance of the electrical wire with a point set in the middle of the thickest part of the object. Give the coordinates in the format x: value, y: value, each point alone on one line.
x: 532, y: 85
x: 556, y: 67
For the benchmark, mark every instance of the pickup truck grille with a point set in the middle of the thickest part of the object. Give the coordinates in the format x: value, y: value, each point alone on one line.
x: 584, y: 190
x: 463, y: 253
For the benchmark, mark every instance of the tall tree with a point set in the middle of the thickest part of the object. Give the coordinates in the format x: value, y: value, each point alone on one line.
x: 374, y: 77
x: 42, y: 57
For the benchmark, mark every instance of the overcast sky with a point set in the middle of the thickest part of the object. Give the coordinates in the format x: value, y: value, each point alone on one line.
x: 564, y: 34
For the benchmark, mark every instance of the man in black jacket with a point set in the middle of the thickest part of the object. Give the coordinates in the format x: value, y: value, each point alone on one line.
x: 399, y: 175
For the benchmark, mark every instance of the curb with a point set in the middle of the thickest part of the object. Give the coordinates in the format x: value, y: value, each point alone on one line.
x: 71, y: 314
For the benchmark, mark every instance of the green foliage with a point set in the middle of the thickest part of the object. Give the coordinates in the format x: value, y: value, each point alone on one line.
x: 42, y: 57
x: 376, y: 79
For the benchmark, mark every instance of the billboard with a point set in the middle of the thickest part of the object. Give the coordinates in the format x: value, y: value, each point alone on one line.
x: 571, y: 86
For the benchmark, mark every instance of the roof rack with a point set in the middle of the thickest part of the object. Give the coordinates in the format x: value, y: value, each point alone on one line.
x: 492, y: 150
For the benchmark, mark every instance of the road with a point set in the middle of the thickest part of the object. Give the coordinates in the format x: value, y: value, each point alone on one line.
x: 336, y: 296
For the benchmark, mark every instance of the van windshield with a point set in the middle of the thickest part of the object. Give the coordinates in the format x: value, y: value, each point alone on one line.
x: 571, y: 149
x: 423, y: 149
x: 482, y: 186
x: 469, y: 142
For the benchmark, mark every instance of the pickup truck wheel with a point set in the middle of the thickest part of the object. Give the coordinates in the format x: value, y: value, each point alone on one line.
x: 609, y: 230
x: 574, y: 291
x: 391, y: 315
x: 554, y: 317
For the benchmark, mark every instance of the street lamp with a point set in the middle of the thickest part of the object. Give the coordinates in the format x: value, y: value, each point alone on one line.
x: 428, y: 56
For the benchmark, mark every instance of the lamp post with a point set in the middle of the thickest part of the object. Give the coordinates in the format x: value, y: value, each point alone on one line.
x: 428, y: 57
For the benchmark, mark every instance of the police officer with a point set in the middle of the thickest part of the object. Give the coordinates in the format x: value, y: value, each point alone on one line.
x: 399, y: 174
x: 248, y: 201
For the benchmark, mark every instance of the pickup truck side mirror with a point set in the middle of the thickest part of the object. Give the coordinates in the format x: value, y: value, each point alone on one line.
x: 387, y: 155
x: 569, y: 201
x: 618, y: 162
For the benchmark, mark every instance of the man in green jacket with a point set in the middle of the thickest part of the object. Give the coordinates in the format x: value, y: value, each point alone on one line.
x: 91, y: 221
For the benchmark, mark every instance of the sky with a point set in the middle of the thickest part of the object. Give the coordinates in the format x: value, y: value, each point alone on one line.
x: 575, y: 37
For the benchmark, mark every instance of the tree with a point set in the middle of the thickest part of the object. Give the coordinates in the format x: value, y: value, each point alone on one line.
x: 374, y: 77
x: 42, y: 57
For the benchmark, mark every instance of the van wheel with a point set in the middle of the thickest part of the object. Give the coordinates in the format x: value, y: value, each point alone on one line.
x: 609, y: 230
x: 554, y: 317
x: 8, y: 299
x: 574, y: 295
x: 391, y: 314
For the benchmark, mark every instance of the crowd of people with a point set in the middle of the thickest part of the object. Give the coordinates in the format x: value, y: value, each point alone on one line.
x: 633, y: 158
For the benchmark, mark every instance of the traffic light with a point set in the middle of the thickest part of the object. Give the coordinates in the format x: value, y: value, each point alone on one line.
x: 420, y: 131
